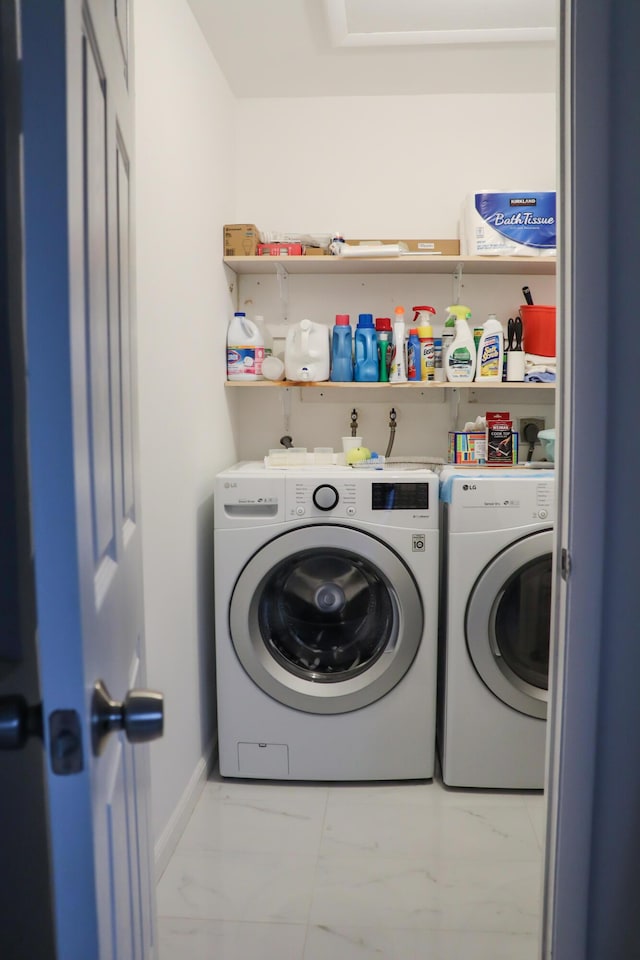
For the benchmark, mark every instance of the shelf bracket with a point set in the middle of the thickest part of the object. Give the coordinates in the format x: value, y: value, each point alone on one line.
x: 232, y: 284
x: 454, y: 408
x: 457, y: 284
x: 283, y: 287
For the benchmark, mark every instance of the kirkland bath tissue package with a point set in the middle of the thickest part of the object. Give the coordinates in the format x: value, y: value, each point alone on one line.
x: 500, y: 224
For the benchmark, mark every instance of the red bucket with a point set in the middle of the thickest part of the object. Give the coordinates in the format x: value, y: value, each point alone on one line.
x: 539, y: 329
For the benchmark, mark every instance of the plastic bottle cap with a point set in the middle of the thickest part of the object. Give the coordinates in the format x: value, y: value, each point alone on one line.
x: 383, y: 323
x: 399, y: 311
x: 413, y: 332
x: 342, y: 319
x: 365, y: 320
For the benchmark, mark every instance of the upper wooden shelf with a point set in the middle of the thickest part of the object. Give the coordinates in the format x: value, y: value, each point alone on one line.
x: 419, y: 263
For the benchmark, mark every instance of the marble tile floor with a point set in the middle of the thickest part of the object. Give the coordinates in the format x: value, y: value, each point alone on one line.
x: 402, y: 871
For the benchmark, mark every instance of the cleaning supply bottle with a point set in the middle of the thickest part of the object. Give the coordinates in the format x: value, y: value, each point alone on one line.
x: 413, y: 355
x: 342, y: 349
x: 267, y: 339
x: 366, y: 350
x: 449, y: 331
x: 460, y: 359
x: 422, y: 320
x: 245, y: 349
x: 385, y: 346
x: 490, y: 351
x: 399, y: 359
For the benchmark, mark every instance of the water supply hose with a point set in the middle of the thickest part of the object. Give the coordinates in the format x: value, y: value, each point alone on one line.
x: 392, y: 431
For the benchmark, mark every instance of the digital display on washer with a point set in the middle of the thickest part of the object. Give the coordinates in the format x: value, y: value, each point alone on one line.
x: 399, y: 496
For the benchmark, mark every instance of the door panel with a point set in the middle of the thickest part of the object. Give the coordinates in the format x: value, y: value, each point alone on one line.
x: 80, y: 323
x: 98, y: 375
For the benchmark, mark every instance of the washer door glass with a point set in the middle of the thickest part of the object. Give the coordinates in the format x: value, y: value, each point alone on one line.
x: 326, y: 615
x: 326, y: 619
x: 508, y: 623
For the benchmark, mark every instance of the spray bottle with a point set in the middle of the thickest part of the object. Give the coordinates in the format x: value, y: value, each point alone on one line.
x: 449, y: 331
x: 460, y: 359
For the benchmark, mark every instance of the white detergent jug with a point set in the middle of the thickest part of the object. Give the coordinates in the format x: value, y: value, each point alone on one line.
x: 307, y: 351
x: 245, y: 349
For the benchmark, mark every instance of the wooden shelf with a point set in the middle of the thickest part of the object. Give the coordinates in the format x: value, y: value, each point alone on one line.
x: 419, y: 263
x: 414, y: 385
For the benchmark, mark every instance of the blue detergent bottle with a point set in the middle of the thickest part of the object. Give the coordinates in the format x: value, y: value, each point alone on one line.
x: 366, y: 349
x: 341, y: 349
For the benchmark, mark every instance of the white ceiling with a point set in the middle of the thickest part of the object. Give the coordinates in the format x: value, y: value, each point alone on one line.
x: 293, y: 48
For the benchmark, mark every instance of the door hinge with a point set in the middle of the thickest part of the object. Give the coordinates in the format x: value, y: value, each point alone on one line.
x: 65, y: 737
x: 565, y: 564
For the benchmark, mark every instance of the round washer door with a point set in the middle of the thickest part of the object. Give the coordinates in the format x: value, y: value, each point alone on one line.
x: 508, y: 623
x: 326, y: 619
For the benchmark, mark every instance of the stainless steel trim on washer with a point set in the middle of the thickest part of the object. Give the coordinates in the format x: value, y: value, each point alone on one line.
x: 341, y: 696
x: 480, y: 625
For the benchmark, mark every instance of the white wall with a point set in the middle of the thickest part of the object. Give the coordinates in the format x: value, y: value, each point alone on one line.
x: 185, y: 192
x: 385, y: 167
x: 394, y: 166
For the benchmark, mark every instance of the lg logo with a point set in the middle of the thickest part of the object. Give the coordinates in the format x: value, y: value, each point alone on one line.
x: 469, y: 486
x: 228, y: 484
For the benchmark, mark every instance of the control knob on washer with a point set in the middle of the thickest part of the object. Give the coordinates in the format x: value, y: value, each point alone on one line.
x: 325, y: 497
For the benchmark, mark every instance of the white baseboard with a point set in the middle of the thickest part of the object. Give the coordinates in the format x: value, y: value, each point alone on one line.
x: 168, y: 840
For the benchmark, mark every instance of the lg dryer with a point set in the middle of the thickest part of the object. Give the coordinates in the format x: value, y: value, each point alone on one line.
x: 495, y: 623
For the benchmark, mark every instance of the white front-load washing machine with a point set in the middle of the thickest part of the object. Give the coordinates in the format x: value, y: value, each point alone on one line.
x: 326, y: 594
x: 495, y: 614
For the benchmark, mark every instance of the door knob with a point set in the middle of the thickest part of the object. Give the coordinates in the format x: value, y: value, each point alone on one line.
x: 18, y: 722
x: 140, y: 715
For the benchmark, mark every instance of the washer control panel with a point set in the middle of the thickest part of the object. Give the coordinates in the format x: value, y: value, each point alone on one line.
x: 401, y: 500
x: 315, y: 498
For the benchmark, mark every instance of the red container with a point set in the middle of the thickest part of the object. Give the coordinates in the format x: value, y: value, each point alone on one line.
x: 539, y: 329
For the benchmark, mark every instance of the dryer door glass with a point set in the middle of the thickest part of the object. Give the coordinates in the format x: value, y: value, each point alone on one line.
x: 507, y: 623
x: 326, y: 614
x: 523, y: 622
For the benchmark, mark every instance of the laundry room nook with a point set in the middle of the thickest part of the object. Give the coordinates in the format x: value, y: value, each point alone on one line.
x: 347, y: 568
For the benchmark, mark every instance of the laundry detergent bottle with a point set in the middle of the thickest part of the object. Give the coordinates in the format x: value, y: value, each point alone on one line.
x: 306, y: 352
x: 342, y: 349
x: 245, y: 349
x: 490, y: 351
x: 398, y: 372
x: 460, y: 359
x: 366, y: 350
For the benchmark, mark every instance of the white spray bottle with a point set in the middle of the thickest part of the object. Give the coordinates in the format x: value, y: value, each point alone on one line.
x: 460, y: 359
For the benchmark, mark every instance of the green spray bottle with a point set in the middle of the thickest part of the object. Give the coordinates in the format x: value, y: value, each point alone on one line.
x: 449, y: 331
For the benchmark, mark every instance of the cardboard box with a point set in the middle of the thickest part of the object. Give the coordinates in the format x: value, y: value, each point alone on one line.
x: 315, y: 252
x: 468, y: 448
x: 279, y: 249
x: 240, y: 240
x: 447, y: 248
